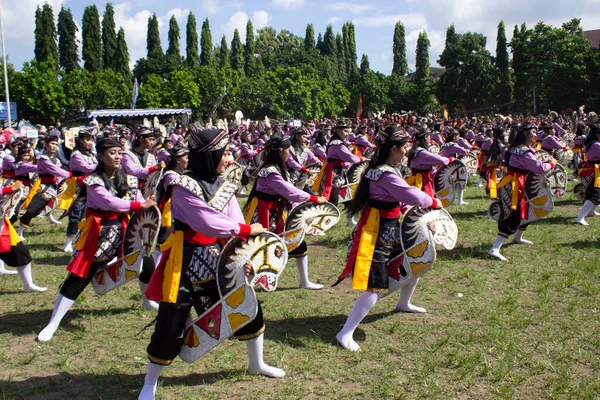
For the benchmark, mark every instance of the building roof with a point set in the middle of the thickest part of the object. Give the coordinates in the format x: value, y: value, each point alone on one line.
x: 127, y: 113
x: 593, y: 37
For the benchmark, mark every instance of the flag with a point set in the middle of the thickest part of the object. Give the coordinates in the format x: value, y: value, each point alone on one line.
x: 359, y: 108
x: 135, y: 93
x: 112, y: 123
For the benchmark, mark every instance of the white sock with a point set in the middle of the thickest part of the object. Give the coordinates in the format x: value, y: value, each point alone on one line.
x: 157, y: 256
x: 461, y: 193
x: 585, y: 210
x: 256, y: 364
x: 68, y: 245
x: 302, y: 265
x: 28, y: 285
x: 62, y: 305
x: 148, y: 304
x: 480, y: 182
x: 363, y: 304
x: 150, y: 381
x: 21, y: 231
x: 519, y: 237
x: 495, y: 250
x: 350, y: 221
x: 4, y: 271
x: 406, y: 293
x: 593, y: 213
x: 52, y: 219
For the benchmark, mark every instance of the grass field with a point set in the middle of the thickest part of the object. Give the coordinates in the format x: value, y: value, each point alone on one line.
x: 525, y: 329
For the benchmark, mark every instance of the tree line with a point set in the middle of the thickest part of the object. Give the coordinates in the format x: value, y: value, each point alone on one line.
x: 283, y: 75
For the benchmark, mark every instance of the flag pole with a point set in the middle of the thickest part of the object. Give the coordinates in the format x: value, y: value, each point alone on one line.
x: 5, y: 69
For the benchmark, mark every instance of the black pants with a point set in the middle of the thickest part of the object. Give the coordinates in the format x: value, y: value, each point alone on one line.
x: 169, y: 331
x: 592, y: 193
x: 508, y: 225
x: 334, y: 196
x: 18, y: 256
x: 75, y: 216
x: 37, y: 205
x: 74, y: 285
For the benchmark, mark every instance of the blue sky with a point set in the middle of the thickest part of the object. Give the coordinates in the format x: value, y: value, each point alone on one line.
x: 374, y: 20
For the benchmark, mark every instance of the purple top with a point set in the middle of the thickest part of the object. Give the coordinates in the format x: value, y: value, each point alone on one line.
x: 24, y: 168
x: 529, y: 162
x: 578, y: 140
x: 341, y: 152
x: 100, y: 198
x: 8, y: 164
x: 435, y: 136
x: 539, y: 136
x: 246, y: 151
x: 45, y: 167
x: 464, y: 143
x: 479, y: 138
x: 425, y: 160
x: 390, y: 188
x: 593, y: 152
x: 452, y: 150
x: 79, y: 163
x: 470, y: 135
x: 551, y: 143
x: 274, y: 184
x: 130, y: 167
x: 486, y: 145
x: 260, y: 143
x: 319, y: 151
x: 362, y: 140
x: 163, y: 155
x: 201, y: 217
x: 559, y: 131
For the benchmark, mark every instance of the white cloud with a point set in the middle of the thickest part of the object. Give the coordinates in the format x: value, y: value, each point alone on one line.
x: 237, y: 21
x: 18, y: 18
x: 412, y: 20
x: 288, y: 3
x: 354, y: 8
x: 260, y: 19
x: 211, y: 6
x: 333, y: 20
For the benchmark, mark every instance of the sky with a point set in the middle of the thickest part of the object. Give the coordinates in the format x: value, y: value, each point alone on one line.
x: 374, y: 20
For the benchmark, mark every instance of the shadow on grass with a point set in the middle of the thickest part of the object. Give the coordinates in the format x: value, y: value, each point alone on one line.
x: 110, y: 386
x: 557, y: 220
x: 62, y: 260
x: 23, y: 324
x: 457, y: 214
x: 584, y: 244
x: 461, y: 253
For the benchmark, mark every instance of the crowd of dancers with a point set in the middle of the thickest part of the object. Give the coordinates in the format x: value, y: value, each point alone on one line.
x: 378, y: 167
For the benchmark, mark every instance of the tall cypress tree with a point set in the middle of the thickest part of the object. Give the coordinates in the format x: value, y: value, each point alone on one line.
x: 250, y: 50
x: 68, y: 55
x: 422, y: 57
x: 350, y: 49
x: 122, y: 55
x: 341, y: 56
x: 309, y: 38
x: 91, y: 40
x: 450, y: 56
x: 400, y: 63
x: 223, y: 53
x: 173, y: 52
x: 206, y: 44
x: 329, y: 46
x: 365, y: 66
x: 502, y: 65
x: 153, y: 46
x: 237, y: 52
x: 109, y: 38
x: 191, y: 41
x: 46, y: 49
x: 319, y: 45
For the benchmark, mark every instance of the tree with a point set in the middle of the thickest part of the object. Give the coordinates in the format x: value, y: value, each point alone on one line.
x: 223, y: 53
x: 399, y: 48
x: 237, y: 52
x: 249, y: 50
x: 122, y: 55
x: 341, y: 56
x: 329, y: 45
x: 68, y: 55
x: 46, y: 49
x: 364, y: 66
x: 39, y: 93
x: 349, y: 49
x: 109, y: 38
x: 422, y: 59
x: 173, y: 52
x: 207, y: 46
x: 502, y: 65
x: 191, y: 41
x: 319, y: 45
x: 309, y: 38
x: 151, y: 92
x: 153, y: 46
x: 91, y: 39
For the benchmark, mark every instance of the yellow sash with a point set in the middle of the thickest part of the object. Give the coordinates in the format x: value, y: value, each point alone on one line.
x: 14, y: 236
x: 316, y: 187
x: 415, y: 180
x: 172, y: 274
x: 493, y: 183
x: 513, y: 180
x: 597, y: 175
x: 166, y: 215
x: 249, y: 210
x: 65, y: 199
x: 366, y: 249
x: 32, y: 193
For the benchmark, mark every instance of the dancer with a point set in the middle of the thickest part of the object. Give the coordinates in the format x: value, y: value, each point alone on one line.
x: 181, y: 283
x: 519, y: 162
x: 493, y: 159
x: 592, y: 167
x: 44, y: 191
x: 82, y: 164
x: 451, y: 149
x: 109, y: 198
x: 272, y: 194
x: 421, y: 162
x: 381, y: 194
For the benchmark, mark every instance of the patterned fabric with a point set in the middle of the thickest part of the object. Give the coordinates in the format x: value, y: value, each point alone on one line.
x: 375, y: 173
x: 201, y: 264
x: 108, y: 243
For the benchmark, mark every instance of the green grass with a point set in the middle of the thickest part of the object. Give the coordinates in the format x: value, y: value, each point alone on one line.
x: 523, y: 329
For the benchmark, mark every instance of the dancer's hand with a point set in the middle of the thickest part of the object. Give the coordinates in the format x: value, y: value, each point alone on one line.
x: 256, y: 229
x: 438, y: 203
x: 148, y: 204
x: 248, y: 268
x: 321, y: 199
x: 18, y: 185
x: 161, y: 165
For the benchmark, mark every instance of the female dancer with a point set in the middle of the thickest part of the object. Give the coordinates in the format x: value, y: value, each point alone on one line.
x: 82, y: 164
x: 381, y: 191
x: 519, y: 162
x: 45, y: 189
x: 181, y: 285
x: 109, y: 198
x: 493, y: 160
x: 421, y: 162
x: 272, y: 194
x: 592, y: 167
